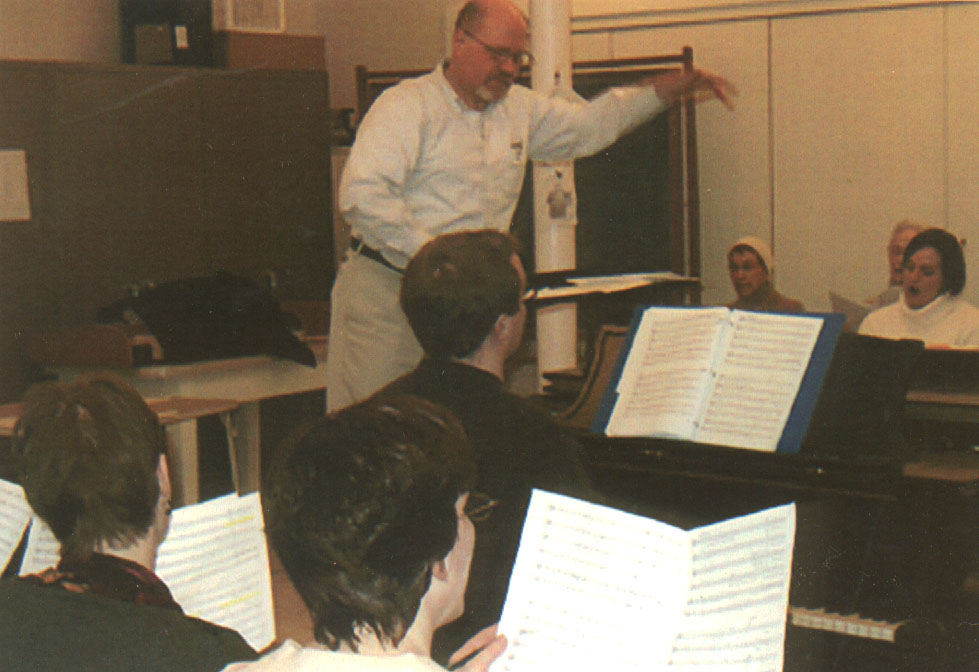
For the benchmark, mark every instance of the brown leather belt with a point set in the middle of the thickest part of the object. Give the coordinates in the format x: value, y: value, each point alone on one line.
x: 357, y: 245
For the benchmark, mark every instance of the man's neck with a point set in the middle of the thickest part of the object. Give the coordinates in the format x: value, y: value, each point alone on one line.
x: 142, y: 552
x: 486, y: 360
x: 471, y: 100
x: 418, y: 640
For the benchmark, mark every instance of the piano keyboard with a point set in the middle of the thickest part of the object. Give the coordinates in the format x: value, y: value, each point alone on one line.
x: 853, y: 624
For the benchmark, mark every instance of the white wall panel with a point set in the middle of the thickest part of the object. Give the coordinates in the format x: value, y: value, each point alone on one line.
x: 591, y: 47
x: 732, y: 147
x: 858, y: 121
x: 963, y: 135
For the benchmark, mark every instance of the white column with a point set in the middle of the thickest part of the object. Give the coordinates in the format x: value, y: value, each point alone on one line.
x: 555, y: 201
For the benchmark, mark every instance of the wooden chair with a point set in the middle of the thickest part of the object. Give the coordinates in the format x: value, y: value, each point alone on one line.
x: 608, y: 345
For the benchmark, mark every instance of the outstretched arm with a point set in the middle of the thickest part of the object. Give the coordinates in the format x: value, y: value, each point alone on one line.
x: 701, y: 84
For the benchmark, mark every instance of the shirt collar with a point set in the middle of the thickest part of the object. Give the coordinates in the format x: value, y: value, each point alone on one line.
x: 109, y: 576
x: 935, y: 307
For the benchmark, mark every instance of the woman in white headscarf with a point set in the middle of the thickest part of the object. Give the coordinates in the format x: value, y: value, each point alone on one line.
x: 750, y: 263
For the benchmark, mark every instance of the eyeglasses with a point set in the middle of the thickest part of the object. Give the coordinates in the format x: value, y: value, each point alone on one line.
x: 479, y: 506
x: 522, y: 59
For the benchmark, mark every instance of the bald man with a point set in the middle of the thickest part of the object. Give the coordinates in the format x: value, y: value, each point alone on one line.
x: 447, y: 152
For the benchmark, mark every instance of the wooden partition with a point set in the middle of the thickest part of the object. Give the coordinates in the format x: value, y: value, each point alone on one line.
x: 149, y: 174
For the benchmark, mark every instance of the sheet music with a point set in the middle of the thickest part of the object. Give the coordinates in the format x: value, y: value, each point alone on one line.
x: 853, y: 310
x: 667, y: 374
x: 592, y: 588
x: 607, y: 284
x: 595, y: 588
x: 215, y: 562
x: 43, y: 549
x: 15, y: 513
x: 758, y: 378
x: 739, y: 593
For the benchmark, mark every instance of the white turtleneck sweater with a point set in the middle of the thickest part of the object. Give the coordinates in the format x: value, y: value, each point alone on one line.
x: 946, y: 321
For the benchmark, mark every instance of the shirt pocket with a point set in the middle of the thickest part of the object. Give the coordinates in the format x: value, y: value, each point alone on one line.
x: 506, y: 162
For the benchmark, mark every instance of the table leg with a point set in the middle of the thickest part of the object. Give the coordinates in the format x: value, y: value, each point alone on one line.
x: 245, y: 444
x: 183, y: 462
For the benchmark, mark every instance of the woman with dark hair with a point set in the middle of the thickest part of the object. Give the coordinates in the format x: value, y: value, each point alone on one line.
x: 930, y: 308
x: 91, y: 457
x: 367, y: 511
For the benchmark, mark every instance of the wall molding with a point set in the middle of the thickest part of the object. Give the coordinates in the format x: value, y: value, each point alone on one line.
x: 603, y: 15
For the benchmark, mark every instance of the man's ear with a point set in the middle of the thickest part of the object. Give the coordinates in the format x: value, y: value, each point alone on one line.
x: 501, y: 328
x: 163, y: 477
x: 440, y: 571
x: 458, y: 37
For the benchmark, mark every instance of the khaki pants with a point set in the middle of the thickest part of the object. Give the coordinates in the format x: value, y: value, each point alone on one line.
x: 371, y: 343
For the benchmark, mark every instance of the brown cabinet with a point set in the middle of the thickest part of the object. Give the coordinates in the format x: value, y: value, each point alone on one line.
x: 269, y: 51
x: 144, y: 173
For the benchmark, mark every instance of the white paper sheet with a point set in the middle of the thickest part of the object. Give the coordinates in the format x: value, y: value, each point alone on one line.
x: 215, y: 562
x: 765, y: 358
x: 662, y: 387
x: 15, y: 513
x: 42, y: 551
x: 607, y: 284
x: 595, y: 588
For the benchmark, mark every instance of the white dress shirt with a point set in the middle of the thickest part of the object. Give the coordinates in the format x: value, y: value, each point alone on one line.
x: 424, y: 163
x: 290, y: 657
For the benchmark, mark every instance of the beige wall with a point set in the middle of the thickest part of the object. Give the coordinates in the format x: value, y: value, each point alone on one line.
x: 847, y: 121
x: 75, y: 30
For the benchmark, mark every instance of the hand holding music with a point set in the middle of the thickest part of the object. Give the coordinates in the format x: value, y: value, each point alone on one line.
x: 487, y: 647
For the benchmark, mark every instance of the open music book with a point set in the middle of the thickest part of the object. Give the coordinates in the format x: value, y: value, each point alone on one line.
x: 715, y: 375
x: 214, y: 560
x: 595, y: 588
x: 15, y: 514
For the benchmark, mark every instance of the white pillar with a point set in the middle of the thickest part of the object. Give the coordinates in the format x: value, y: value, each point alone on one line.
x: 555, y: 201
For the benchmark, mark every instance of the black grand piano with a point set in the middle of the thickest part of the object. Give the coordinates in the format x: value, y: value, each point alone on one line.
x: 886, y: 557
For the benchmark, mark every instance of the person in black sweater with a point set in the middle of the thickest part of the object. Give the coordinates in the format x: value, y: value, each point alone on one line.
x: 463, y: 296
x: 91, y: 457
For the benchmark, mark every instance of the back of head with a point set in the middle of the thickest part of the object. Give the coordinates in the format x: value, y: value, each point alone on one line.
x: 361, y: 507
x: 950, y: 251
x: 87, y: 455
x: 455, y: 288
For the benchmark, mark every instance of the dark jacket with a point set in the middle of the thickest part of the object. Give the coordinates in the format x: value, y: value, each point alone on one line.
x: 518, y: 447
x: 766, y: 299
x: 45, y: 628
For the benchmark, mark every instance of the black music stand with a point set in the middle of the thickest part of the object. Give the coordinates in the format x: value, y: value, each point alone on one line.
x: 860, y: 411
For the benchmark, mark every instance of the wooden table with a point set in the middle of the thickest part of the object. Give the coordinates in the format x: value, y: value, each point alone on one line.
x: 242, y: 380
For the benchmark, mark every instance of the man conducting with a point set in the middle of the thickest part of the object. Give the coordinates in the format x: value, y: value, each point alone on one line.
x: 447, y: 152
